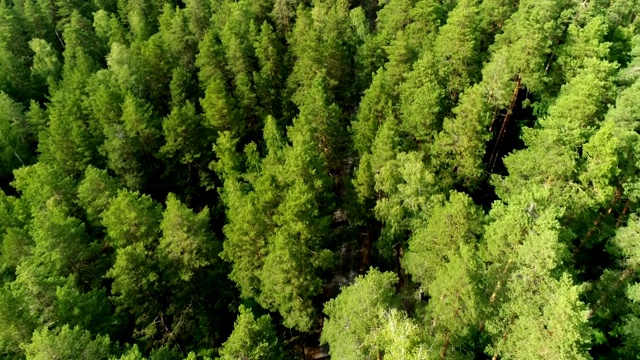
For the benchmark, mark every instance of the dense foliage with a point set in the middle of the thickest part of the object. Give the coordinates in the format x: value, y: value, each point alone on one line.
x: 252, y: 179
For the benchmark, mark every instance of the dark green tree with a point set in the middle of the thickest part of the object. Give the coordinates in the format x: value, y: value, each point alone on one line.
x: 15, y: 136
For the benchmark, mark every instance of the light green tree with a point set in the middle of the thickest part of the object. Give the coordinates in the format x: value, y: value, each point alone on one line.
x: 252, y: 338
x: 354, y: 315
x: 67, y: 343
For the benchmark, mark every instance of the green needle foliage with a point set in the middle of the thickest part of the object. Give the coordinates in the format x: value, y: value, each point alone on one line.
x: 279, y: 179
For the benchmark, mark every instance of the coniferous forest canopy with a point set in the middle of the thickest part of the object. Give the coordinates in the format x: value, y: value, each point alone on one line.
x: 255, y: 179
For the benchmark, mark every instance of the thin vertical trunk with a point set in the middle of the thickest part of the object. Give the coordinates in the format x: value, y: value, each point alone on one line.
x: 546, y: 68
x: 622, y: 215
x: 495, y: 119
x: 443, y: 353
x: 625, y: 274
x: 497, y: 288
x: 365, y: 250
x: 447, y: 338
x: 301, y: 338
x: 503, y: 339
x: 400, y: 272
x: 597, y: 222
x: 503, y: 129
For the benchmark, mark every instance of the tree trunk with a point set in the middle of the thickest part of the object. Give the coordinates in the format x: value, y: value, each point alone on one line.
x: 597, y: 222
x: 622, y: 215
x: 503, y: 339
x: 443, y: 353
x: 503, y: 129
x: 495, y: 119
x: 497, y: 288
x: 365, y: 249
x: 400, y: 271
x: 625, y: 274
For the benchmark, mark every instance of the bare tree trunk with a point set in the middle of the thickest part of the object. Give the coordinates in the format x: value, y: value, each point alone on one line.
x: 503, y: 129
x: 365, y: 250
x: 622, y: 215
x: 497, y: 288
x: 443, y: 353
x: 597, y: 222
x: 625, y: 274
x: 495, y: 119
x: 401, y: 277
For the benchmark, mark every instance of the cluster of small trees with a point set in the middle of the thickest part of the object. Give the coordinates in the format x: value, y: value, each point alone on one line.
x: 191, y: 179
